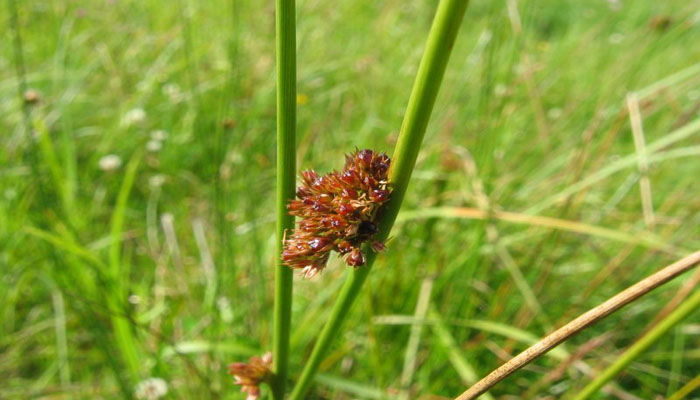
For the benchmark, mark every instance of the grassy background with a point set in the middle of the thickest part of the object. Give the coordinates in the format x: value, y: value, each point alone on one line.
x: 533, y: 103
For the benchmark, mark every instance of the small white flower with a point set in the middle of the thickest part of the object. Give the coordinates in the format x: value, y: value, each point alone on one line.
x: 695, y: 18
x: 154, y: 145
x: 499, y: 154
x: 500, y: 90
x: 134, y: 117
x: 615, y: 5
x: 173, y: 92
x: 10, y: 193
x: 156, y: 181
x: 554, y: 113
x: 616, y: 38
x: 224, y: 306
x: 159, y: 135
x: 110, y: 162
x: 151, y: 389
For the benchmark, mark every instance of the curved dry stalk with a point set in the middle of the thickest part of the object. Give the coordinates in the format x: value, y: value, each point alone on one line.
x: 582, y: 322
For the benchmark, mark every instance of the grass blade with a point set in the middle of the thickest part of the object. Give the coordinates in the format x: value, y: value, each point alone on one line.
x: 409, y: 363
x: 460, y: 364
x: 118, y: 277
x: 61, y: 337
x: 65, y: 245
x: 637, y: 238
x: 687, y: 389
x: 679, y: 134
x: 356, y: 389
x: 496, y: 328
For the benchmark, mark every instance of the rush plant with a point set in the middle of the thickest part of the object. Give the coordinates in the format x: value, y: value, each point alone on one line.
x: 441, y: 39
x: 308, y: 249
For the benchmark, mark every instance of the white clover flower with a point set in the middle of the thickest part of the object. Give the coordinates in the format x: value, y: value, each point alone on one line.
x: 224, y: 306
x: 134, y: 117
x: 154, y: 145
x: 10, y: 193
x: 500, y: 90
x: 159, y: 135
x: 172, y: 90
x: 151, y: 389
x: 156, y: 181
x: 554, y: 113
x: 615, y: 5
x: 616, y: 38
x: 110, y: 162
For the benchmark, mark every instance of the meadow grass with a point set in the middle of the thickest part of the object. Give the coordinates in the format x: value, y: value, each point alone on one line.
x: 531, y: 125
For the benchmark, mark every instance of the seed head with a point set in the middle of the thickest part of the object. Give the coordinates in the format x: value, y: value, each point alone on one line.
x: 151, y: 389
x: 250, y: 375
x: 32, y: 96
x: 338, y: 212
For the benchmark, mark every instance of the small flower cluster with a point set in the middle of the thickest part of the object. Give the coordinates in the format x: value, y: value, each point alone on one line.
x: 250, y: 375
x: 151, y: 389
x: 338, y: 211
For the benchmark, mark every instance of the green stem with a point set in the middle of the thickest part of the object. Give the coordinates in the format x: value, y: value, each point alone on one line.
x: 687, y: 389
x: 690, y: 305
x: 441, y: 38
x: 118, y: 278
x: 286, y: 176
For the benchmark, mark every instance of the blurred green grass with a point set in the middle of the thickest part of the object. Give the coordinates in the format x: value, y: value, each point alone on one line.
x: 533, y: 102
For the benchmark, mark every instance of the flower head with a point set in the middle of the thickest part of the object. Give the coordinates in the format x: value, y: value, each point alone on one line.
x: 32, y: 96
x: 250, y: 375
x: 338, y: 212
x: 134, y: 117
x: 110, y: 162
x: 151, y: 389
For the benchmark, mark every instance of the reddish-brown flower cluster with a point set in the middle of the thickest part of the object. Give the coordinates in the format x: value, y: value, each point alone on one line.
x: 338, y: 211
x: 250, y: 375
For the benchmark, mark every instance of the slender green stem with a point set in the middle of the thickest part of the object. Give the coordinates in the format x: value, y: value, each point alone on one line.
x: 441, y: 38
x: 286, y: 172
x: 687, y: 389
x: 118, y: 275
x: 690, y: 305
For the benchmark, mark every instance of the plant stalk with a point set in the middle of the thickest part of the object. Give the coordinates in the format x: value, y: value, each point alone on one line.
x: 690, y: 305
x: 286, y: 176
x: 117, y: 292
x: 441, y: 38
x: 687, y: 389
x: 582, y: 322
